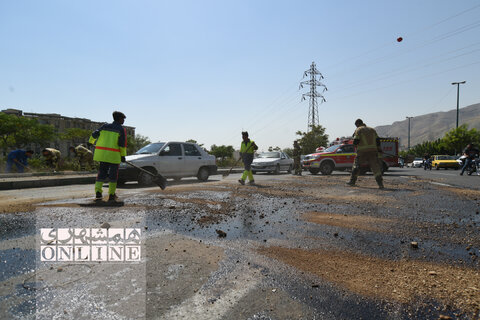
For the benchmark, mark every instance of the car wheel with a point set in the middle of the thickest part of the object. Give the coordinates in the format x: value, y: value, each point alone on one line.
x: 314, y: 171
x: 289, y: 169
x: 203, y: 174
x: 277, y: 169
x: 326, y: 168
x: 144, y: 179
x: 254, y: 172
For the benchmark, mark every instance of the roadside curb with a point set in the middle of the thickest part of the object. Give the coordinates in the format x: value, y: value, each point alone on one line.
x: 22, y: 183
x: 11, y: 182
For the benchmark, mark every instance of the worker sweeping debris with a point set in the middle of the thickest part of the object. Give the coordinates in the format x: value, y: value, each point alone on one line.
x: 110, y: 142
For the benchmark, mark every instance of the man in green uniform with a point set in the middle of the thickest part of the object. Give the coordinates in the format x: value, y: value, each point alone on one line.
x: 110, y: 142
x: 247, y: 150
x: 85, y: 156
x: 368, y: 145
x: 296, y: 158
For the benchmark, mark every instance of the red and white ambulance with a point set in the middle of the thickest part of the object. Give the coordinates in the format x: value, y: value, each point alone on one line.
x: 340, y: 156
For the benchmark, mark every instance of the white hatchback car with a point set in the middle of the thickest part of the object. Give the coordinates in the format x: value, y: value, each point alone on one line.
x: 274, y: 161
x: 171, y: 159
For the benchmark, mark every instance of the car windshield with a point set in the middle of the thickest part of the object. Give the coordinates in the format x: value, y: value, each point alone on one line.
x: 445, y: 158
x: 269, y: 155
x: 418, y: 159
x: 331, y: 148
x: 151, y: 148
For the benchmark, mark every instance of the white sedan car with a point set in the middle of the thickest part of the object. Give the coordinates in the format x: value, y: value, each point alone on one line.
x: 417, y: 163
x: 171, y: 159
x: 274, y: 161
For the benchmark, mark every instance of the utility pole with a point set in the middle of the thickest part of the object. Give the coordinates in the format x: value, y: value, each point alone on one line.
x: 313, y: 94
x: 409, y: 131
x: 458, y: 95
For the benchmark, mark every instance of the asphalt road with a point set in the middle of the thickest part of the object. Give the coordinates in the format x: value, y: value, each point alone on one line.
x: 288, y: 248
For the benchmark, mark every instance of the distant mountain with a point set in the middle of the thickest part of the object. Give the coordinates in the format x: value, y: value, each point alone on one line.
x: 431, y: 126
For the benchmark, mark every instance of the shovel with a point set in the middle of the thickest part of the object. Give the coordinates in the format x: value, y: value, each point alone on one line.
x: 24, y: 166
x: 157, y: 178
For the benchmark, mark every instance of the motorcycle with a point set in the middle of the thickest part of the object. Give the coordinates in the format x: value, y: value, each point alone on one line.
x: 427, y: 164
x: 474, y: 167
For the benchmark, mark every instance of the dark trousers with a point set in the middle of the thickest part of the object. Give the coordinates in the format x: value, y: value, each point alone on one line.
x: 468, y: 162
x: 107, y: 172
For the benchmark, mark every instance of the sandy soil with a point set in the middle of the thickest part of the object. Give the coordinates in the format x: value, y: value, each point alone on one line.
x: 362, y: 222
x: 401, y: 280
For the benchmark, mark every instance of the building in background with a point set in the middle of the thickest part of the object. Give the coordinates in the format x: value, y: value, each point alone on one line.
x: 62, y: 124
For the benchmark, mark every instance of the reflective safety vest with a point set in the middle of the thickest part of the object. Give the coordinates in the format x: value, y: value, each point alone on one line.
x: 367, y: 138
x: 110, y: 142
x: 247, y: 147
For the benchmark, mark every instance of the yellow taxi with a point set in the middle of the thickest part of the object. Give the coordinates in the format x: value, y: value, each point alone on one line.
x: 446, y: 162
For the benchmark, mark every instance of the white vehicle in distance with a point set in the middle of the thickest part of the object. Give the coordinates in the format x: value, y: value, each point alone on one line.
x: 417, y: 163
x: 274, y: 161
x: 171, y: 159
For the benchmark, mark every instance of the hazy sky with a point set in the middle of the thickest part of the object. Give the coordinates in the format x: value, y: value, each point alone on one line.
x: 206, y: 70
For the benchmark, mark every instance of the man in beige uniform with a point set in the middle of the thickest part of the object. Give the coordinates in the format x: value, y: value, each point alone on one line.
x: 368, y: 146
x: 85, y: 156
x: 52, y: 158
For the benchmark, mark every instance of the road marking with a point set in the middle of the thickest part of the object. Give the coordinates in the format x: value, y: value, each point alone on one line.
x: 211, y: 303
x: 441, y: 184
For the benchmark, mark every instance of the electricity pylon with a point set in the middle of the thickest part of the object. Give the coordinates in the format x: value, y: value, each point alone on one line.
x: 313, y: 94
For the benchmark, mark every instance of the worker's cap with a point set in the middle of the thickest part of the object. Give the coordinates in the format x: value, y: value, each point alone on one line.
x: 358, y: 122
x: 245, y: 133
x: 117, y: 115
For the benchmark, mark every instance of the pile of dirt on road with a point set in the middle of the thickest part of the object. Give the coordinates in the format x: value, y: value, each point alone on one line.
x: 359, y: 222
x: 464, y: 193
x: 11, y: 206
x: 404, y: 281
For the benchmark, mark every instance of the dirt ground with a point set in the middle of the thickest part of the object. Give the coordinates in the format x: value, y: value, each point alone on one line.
x: 308, y: 243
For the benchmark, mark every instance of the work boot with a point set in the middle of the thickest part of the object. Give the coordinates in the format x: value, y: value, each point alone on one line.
x: 251, y: 182
x: 112, y: 198
x: 380, y: 183
x: 98, y: 196
x: 241, y: 182
x: 350, y: 183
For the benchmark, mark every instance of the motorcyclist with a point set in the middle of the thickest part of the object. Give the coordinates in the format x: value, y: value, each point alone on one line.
x: 471, y: 151
x: 427, y: 162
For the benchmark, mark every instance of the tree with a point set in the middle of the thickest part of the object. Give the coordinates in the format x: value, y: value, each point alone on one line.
x: 222, y: 151
x: 453, y: 142
x: 17, y: 132
x: 289, y: 152
x: 135, y: 143
x: 195, y: 141
x: 457, y: 139
x: 313, y: 139
x: 76, y: 135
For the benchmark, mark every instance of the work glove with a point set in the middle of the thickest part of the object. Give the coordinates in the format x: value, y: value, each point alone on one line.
x: 123, y: 159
